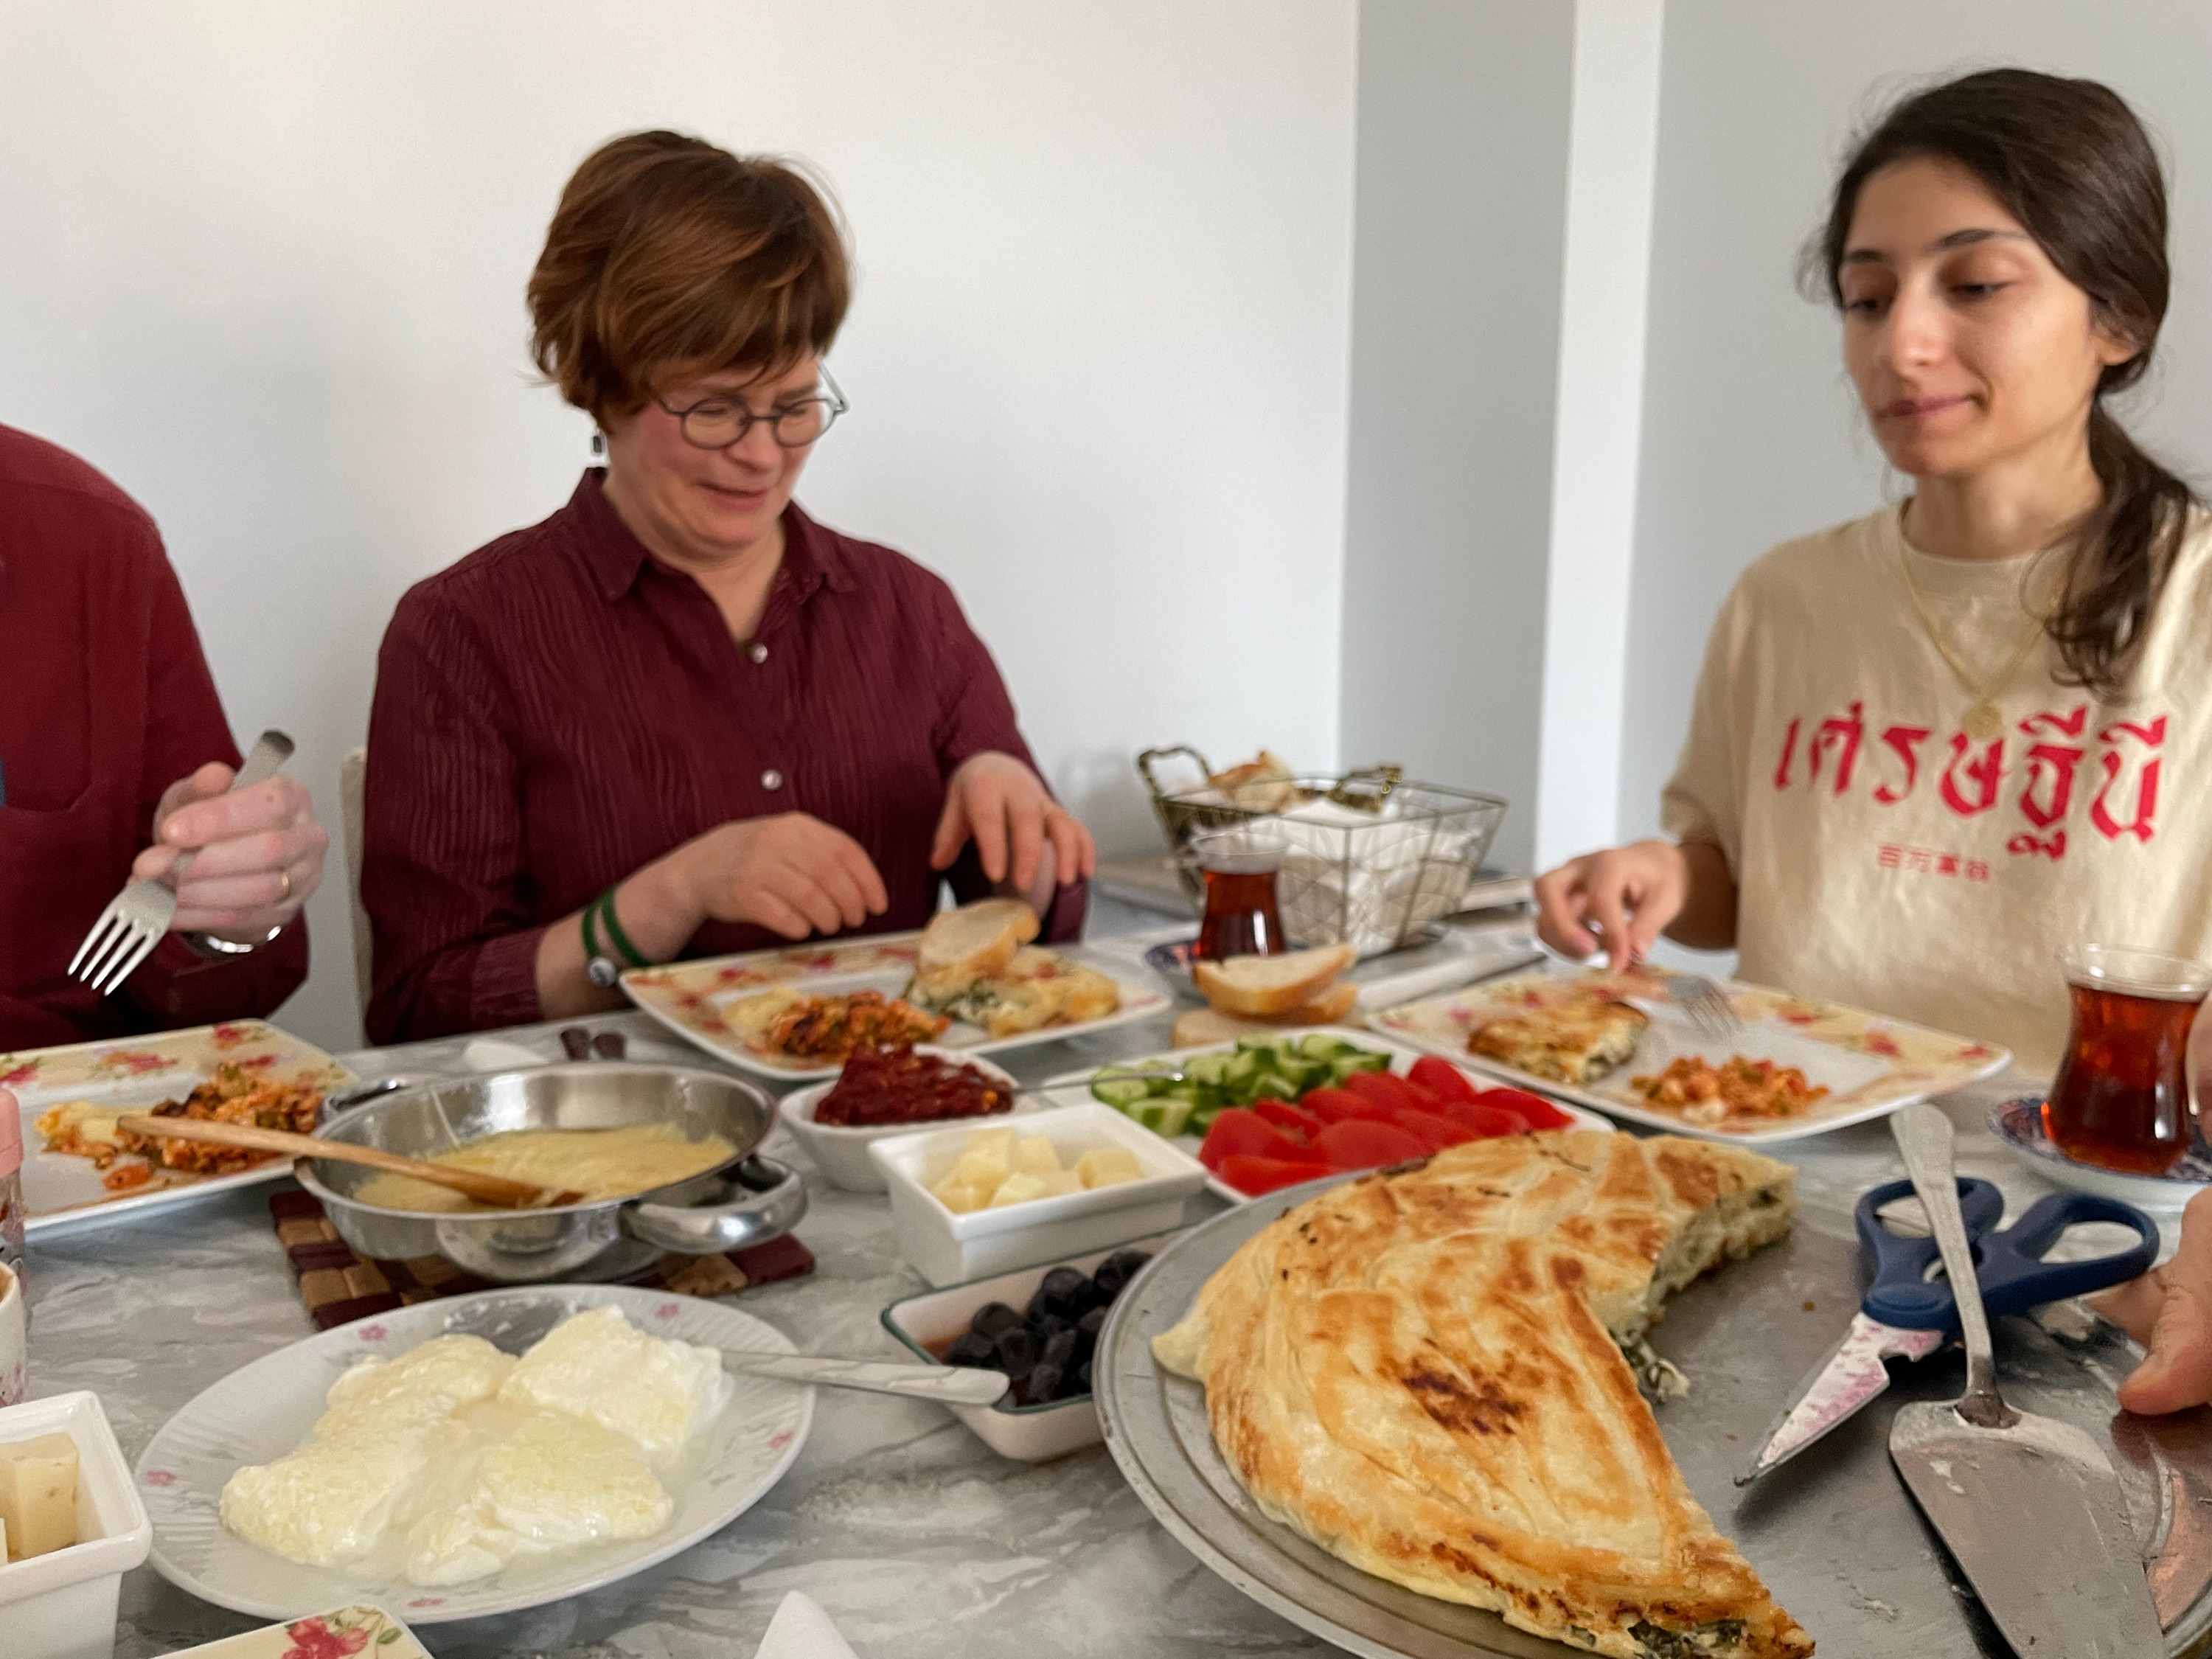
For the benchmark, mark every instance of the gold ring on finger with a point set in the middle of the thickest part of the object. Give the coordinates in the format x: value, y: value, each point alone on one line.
x: 284, y: 893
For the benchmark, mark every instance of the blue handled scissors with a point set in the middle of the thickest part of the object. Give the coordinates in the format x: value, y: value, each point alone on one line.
x: 1907, y: 1316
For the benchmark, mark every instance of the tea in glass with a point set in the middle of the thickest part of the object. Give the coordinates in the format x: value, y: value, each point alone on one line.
x: 2121, y: 1100
x: 1239, y: 867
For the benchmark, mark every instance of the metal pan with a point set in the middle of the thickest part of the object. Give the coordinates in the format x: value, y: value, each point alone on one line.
x: 745, y: 1201
x: 1836, y: 1537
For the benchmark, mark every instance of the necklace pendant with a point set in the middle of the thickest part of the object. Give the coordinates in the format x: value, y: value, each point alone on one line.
x: 1984, y: 722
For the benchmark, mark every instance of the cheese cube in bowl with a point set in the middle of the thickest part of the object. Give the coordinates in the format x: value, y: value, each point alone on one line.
x: 958, y: 1217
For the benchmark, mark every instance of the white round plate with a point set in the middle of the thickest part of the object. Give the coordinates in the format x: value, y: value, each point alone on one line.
x: 2019, y: 1124
x: 262, y: 1411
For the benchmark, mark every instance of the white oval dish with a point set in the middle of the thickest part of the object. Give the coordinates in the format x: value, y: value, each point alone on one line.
x: 2019, y: 1124
x: 946, y: 1249
x: 263, y: 1410
x: 841, y: 1154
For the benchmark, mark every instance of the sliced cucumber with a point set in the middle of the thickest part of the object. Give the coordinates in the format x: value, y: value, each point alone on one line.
x: 1122, y: 1092
x: 1176, y: 1113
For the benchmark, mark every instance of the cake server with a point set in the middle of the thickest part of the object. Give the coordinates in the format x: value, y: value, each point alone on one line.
x: 948, y: 1385
x: 2029, y: 1506
x: 1906, y: 1316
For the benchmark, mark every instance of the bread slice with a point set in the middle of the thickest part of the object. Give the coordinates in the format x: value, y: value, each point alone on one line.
x: 976, y: 941
x: 1264, y: 785
x: 1198, y: 1027
x: 1260, y: 986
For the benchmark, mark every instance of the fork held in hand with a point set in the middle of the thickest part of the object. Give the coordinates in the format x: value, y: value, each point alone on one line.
x: 136, y: 918
x: 1708, y: 1007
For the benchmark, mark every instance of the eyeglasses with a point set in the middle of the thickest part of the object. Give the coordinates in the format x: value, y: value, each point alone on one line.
x: 718, y: 421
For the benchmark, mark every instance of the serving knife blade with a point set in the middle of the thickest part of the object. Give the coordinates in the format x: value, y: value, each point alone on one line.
x: 1855, y: 1372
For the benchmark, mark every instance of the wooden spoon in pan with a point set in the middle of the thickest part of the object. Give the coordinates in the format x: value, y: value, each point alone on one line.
x: 495, y: 1190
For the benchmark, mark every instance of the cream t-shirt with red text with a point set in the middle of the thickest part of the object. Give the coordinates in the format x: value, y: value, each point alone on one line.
x: 1887, y: 858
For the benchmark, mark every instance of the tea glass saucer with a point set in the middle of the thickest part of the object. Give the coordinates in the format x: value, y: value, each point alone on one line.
x: 2019, y: 1124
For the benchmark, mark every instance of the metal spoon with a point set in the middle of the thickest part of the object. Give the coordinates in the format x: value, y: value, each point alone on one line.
x: 947, y: 1385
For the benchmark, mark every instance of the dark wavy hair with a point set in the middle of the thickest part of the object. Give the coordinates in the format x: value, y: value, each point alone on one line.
x: 2070, y: 162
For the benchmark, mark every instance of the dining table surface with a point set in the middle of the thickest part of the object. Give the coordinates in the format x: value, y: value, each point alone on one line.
x: 917, y: 1539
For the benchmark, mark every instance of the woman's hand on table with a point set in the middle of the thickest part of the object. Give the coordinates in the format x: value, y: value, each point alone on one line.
x: 256, y: 856
x: 1024, y: 837
x: 2169, y: 1311
x: 792, y: 874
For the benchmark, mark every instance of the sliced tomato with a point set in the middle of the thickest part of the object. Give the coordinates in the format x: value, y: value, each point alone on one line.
x: 1440, y: 1078
x: 1295, y: 1122
x: 1237, y: 1132
x: 1254, y: 1175
x: 1485, y: 1118
x: 1342, y: 1106
x: 1386, y: 1089
x: 1539, y: 1112
x: 1437, y: 1130
x: 1359, y: 1144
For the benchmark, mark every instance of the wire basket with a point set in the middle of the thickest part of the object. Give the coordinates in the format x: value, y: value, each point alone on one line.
x: 1372, y: 860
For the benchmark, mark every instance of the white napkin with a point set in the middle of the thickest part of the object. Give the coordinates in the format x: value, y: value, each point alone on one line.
x: 801, y: 1630
x: 1403, y: 875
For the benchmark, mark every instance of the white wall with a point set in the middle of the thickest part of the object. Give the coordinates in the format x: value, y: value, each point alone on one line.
x: 1463, y: 169
x: 1751, y: 433
x: 264, y: 266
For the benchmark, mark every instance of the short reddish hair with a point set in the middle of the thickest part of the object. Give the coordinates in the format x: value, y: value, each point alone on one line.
x: 668, y: 256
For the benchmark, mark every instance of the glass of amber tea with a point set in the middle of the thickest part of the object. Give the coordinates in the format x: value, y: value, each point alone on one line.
x: 1241, y: 918
x: 2121, y: 1100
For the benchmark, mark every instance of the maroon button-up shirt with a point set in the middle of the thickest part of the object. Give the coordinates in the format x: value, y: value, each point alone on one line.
x: 560, y: 708
x: 105, y: 701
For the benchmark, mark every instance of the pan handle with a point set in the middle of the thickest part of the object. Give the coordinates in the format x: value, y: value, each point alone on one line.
x: 774, y: 1197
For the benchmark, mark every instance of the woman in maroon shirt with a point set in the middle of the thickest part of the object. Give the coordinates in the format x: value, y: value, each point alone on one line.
x: 115, y: 758
x: 679, y: 717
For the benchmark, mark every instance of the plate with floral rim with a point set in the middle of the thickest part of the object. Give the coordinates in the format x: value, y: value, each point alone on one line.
x: 1870, y: 1064
x: 63, y: 1191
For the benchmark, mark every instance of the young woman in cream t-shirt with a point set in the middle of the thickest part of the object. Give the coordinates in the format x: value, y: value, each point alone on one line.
x: 1932, y: 746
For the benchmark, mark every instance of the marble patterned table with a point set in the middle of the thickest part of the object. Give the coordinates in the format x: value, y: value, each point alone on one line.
x: 918, y: 1540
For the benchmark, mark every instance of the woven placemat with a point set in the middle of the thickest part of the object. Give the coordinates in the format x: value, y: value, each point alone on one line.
x: 340, y: 1286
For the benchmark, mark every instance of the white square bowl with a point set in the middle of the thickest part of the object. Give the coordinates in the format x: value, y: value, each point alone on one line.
x: 841, y: 1154
x: 946, y: 1249
x: 1028, y: 1434
x: 61, y: 1605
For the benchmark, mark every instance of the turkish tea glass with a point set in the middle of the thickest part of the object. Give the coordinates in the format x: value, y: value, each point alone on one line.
x: 2121, y: 1100
x: 1242, y: 917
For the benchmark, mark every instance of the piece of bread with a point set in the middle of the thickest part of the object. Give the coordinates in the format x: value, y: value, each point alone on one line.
x: 1422, y: 1371
x: 1257, y: 987
x: 976, y: 941
x: 1264, y: 785
x: 1197, y: 1028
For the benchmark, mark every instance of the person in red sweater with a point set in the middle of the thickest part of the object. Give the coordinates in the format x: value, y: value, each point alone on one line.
x: 114, y: 760
x: 680, y: 717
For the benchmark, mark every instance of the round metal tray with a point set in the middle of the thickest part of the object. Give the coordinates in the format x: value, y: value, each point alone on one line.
x: 1834, y: 1533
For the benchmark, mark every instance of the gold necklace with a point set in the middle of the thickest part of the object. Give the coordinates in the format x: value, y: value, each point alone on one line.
x: 1984, y: 720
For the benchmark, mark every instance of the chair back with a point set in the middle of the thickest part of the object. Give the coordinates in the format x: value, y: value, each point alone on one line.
x: 353, y: 785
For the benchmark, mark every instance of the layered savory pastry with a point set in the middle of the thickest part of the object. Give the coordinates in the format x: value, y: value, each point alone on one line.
x: 1576, y: 1040
x: 976, y: 964
x: 1423, y: 1371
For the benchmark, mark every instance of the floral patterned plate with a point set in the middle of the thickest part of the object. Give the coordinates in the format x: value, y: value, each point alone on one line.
x: 341, y: 1633
x: 263, y: 1410
x: 1870, y: 1064
x: 63, y: 1193
x: 689, y: 997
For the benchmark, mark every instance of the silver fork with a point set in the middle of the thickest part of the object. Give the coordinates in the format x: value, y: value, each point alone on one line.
x: 1708, y: 1007
x: 136, y: 918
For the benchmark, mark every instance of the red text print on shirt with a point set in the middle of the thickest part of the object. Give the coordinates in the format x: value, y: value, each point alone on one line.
x: 2036, y: 772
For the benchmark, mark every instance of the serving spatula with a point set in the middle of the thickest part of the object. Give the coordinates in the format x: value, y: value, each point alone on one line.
x: 2029, y: 1506
x: 498, y: 1191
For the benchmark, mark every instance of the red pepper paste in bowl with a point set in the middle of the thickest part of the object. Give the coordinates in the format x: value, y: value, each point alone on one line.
x: 891, y: 1084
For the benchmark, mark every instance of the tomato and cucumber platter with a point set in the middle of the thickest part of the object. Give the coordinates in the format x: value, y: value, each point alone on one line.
x: 1269, y: 1112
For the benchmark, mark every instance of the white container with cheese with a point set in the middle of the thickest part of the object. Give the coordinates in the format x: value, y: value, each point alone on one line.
x: 61, y: 1604
x: 948, y: 1247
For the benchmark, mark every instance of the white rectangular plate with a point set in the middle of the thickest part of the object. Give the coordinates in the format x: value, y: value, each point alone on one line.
x: 689, y: 997
x: 1871, y: 1064
x: 63, y: 1193
x: 1071, y: 1087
